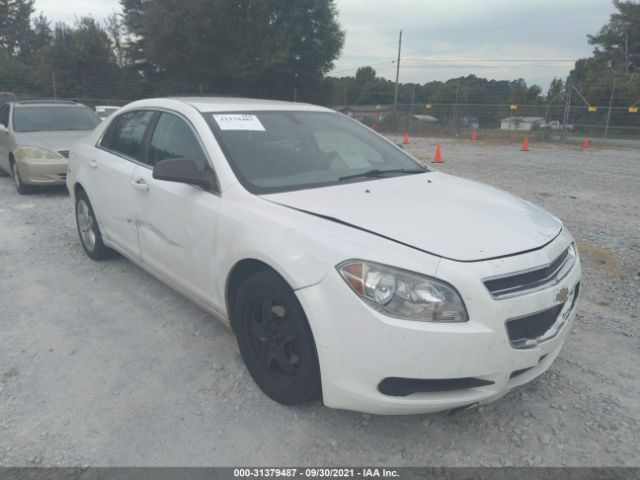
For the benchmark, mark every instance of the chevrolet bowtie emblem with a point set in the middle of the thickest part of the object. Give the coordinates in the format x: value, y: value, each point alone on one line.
x: 562, y: 294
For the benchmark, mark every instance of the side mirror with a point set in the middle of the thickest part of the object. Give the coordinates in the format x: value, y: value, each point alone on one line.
x: 3, y: 129
x: 184, y: 170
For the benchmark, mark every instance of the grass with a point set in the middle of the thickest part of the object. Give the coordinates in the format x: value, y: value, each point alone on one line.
x: 600, y: 255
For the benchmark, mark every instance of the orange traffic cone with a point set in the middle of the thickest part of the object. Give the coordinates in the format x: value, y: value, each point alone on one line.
x: 405, y: 141
x: 525, y: 144
x: 585, y: 143
x: 474, y: 135
x: 438, y: 156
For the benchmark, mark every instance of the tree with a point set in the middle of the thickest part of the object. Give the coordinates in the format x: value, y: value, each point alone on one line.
x: 15, y: 26
x: 114, y: 28
x: 41, y: 34
x: 265, y: 48
x: 618, y: 42
x: 83, y: 60
x: 556, y: 88
x: 364, y: 75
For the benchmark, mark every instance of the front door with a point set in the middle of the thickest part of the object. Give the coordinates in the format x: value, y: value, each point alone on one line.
x: 177, y: 222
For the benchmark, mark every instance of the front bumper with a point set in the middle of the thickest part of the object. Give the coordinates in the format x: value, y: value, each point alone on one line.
x: 43, y: 172
x: 358, y: 347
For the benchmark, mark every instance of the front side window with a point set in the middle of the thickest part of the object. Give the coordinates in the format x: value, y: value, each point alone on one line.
x: 4, y: 115
x: 7, y: 97
x: 173, y: 138
x: 126, y: 134
x: 278, y: 150
x: 53, y: 119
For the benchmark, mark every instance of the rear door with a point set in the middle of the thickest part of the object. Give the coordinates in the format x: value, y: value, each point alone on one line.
x: 112, y: 189
x: 177, y: 222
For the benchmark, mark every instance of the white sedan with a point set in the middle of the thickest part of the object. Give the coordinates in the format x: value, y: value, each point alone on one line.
x: 347, y: 270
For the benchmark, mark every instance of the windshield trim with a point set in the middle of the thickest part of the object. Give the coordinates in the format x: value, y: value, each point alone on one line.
x: 258, y: 190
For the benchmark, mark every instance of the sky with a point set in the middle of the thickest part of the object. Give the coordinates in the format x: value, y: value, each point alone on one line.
x: 500, y: 39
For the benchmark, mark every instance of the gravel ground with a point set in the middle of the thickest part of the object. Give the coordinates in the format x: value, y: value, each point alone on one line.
x: 101, y: 364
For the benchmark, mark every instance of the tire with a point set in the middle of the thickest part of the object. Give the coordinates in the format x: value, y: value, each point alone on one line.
x: 21, y: 187
x: 275, y: 339
x: 88, y: 230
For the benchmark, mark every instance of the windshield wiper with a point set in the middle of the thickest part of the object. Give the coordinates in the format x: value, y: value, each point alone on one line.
x: 376, y: 173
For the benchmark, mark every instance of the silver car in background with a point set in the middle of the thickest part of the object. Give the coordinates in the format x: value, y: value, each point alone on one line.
x: 35, y: 138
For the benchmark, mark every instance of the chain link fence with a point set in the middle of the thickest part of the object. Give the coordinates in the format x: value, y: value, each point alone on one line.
x: 558, y: 121
x: 502, y: 120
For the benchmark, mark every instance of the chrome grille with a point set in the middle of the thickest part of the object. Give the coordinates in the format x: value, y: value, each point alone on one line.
x: 519, y: 283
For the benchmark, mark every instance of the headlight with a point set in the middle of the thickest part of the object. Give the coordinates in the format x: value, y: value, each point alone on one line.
x: 37, y: 153
x: 403, y: 294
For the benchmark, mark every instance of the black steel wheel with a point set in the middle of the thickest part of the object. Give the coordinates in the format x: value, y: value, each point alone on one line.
x: 275, y: 340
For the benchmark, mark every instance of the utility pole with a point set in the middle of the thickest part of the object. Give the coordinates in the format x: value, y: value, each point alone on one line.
x: 53, y: 83
x: 613, y: 90
x: 395, y: 95
x: 567, y: 108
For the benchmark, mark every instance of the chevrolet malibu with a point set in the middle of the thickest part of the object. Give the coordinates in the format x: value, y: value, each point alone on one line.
x: 35, y: 138
x: 346, y: 269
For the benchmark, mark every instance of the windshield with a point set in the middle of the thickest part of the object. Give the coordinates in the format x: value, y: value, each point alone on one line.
x: 278, y: 151
x: 49, y: 119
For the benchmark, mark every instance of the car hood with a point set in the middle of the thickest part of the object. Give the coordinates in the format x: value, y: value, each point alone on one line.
x: 54, y: 141
x: 443, y: 215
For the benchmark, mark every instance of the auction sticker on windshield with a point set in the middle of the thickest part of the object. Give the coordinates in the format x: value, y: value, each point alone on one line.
x: 239, y: 122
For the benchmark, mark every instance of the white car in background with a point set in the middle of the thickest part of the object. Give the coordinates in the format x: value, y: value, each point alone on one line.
x: 104, y: 111
x: 346, y: 269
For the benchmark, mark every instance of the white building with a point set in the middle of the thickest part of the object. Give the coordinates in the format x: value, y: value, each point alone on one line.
x: 521, y: 123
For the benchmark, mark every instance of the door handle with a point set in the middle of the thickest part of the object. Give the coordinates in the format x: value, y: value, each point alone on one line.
x: 93, y: 164
x: 140, y: 185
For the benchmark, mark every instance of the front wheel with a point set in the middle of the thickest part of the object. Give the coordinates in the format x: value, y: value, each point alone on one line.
x: 275, y: 339
x: 88, y: 229
x: 21, y: 187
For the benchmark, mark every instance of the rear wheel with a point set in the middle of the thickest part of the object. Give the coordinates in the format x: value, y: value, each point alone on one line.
x: 275, y: 340
x: 88, y: 229
x: 21, y: 187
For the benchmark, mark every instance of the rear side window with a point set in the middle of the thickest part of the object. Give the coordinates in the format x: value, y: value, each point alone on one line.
x: 173, y: 138
x: 126, y: 134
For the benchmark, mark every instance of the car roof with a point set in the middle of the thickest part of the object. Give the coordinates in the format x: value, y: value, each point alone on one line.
x: 231, y: 104
x: 46, y: 103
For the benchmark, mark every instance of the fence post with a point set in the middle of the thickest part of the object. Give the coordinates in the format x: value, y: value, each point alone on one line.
x: 53, y: 83
x: 413, y: 96
x: 454, y: 116
x: 567, y: 109
x: 613, y: 90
